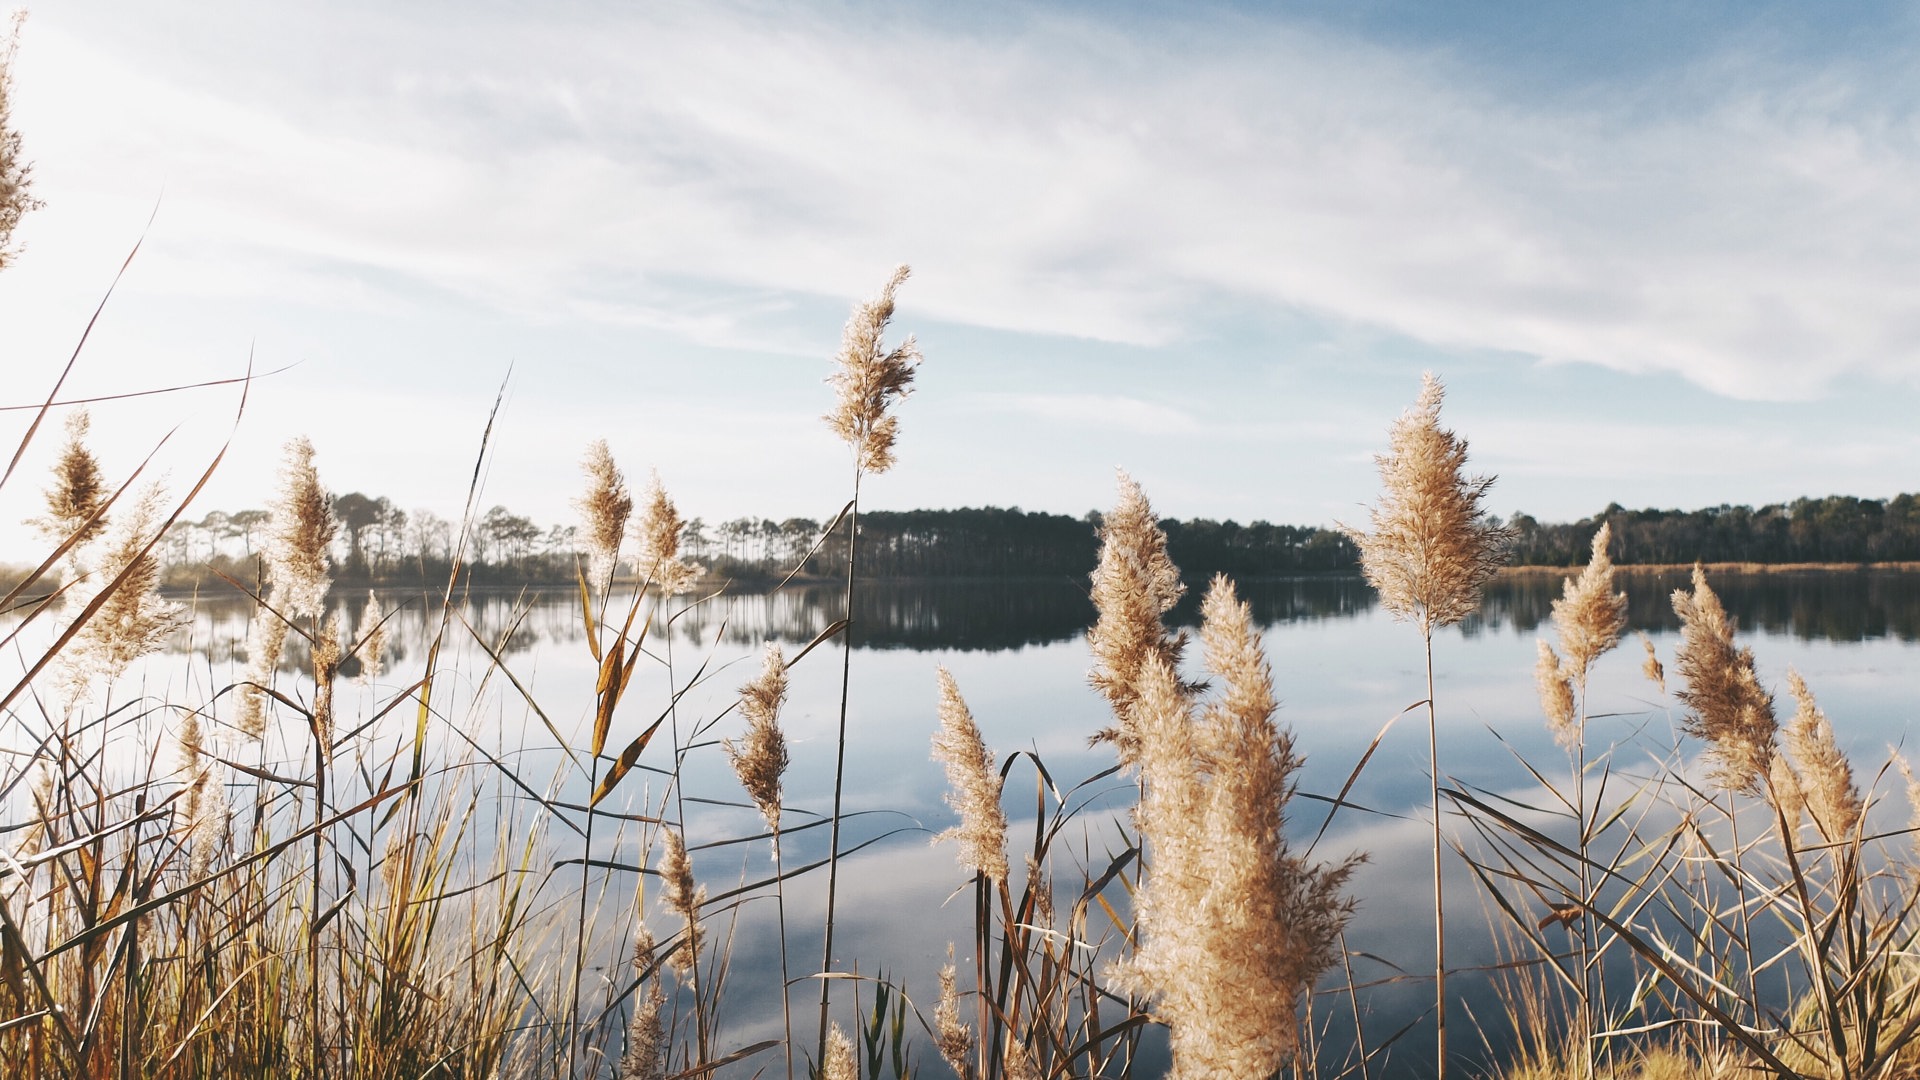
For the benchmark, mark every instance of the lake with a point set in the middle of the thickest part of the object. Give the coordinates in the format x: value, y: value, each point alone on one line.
x: 1343, y: 671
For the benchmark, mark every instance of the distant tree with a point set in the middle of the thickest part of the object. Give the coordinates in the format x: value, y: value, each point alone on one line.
x: 357, y: 513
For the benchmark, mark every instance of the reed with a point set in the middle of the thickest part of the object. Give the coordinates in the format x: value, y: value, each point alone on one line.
x: 1430, y: 548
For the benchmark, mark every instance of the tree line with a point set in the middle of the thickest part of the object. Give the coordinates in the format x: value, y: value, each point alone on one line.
x: 380, y: 543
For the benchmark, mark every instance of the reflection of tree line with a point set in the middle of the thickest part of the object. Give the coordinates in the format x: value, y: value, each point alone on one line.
x: 1815, y: 605
x: 991, y: 614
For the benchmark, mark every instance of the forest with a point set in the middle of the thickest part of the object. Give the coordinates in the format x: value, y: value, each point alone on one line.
x: 380, y: 543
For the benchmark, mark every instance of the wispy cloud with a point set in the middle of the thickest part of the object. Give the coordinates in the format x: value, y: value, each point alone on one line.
x: 1113, y: 412
x: 1748, y: 230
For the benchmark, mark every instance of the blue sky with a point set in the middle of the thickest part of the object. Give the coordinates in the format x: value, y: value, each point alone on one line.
x: 1663, y: 255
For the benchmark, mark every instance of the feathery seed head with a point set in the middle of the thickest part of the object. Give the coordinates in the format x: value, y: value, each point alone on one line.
x: 1727, y: 707
x: 326, y: 664
x: 78, y: 488
x: 684, y: 900
x: 1826, y: 773
x: 870, y: 378
x: 300, y: 530
x: 1786, y: 791
x: 760, y: 759
x: 16, y: 176
x: 604, y: 510
x: 645, y: 1058
x: 266, y: 639
x: 953, y: 1036
x: 1913, y: 795
x: 133, y: 620
x: 974, y: 786
x: 373, y: 639
x: 840, y: 1064
x: 660, y: 528
x: 1556, y: 697
x: 1433, y: 546
x: 206, y: 811
x: 1651, y: 666
x: 1134, y: 585
x: 1589, y: 614
x: 1234, y: 927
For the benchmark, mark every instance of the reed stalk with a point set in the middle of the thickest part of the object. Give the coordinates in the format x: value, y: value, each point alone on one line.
x: 1430, y: 549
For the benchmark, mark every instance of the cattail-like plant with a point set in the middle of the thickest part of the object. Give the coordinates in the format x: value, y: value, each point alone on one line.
x: 604, y: 509
x: 974, y: 787
x: 79, y: 489
x: 1651, y: 667
x: 646, y: 1055
x: 16, y: 176
x: 684, y: 900
x: 837, y: 1061
x: 760, y: 758
x: 301, y: 529
x: 132, y: 620
x: 266, y: 640
x: 1134, y: 585
x: 1431, y: 549
x: 868, y: 378
x: 1826, y: 775
x: 1590, y: 617
x: 371, y: 647
x: 760, y: 761
x: 660, y: 529
x: 950, y: 1033
x: 1727, y: 708
x: 1233, y: 927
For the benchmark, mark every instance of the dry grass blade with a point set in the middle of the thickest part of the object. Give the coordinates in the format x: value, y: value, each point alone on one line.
x: 625, y: 762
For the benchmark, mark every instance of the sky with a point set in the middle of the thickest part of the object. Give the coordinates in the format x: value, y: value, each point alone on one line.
x: 1662, y: 254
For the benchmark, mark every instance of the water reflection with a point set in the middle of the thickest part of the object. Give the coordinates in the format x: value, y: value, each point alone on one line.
x: 997, y: 615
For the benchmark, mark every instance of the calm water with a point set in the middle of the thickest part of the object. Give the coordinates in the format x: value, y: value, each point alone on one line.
x: 1342, y: 669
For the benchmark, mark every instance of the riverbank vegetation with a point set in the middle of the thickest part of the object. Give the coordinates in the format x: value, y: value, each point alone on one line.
x: 324, y: 863
x: 379, y: 543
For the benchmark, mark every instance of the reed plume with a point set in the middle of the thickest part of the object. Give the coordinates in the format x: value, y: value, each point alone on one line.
x: 870, y: 378
x: 326, y: 664
x: 1831, y: 794
x: 1651, y: 667
x: 372, y: 649
x: 951, y: 1035
x: 974, y: 786
x: 660, y: 529
x: 1556, y: 696
x: 684, y: 900
x: 16, y: 176
x: 1727, y: 707
x: 1433, y: 546
x: 1589, y: 614
x: 132, y: 620
x: 604, y: 510
x: 1233, y: 926
x: 266, y: 640
x: 79, y: 489
x: 1787, y: 792
x: 206, y: 813
x: 760, y: 759
x: 301, y: 528
x: 839, y: 1063
x: 1432, y: 549
x: 645, y: 1058
x: 1134, y: 585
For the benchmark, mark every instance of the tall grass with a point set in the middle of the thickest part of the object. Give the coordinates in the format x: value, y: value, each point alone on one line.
x: 289, y: 871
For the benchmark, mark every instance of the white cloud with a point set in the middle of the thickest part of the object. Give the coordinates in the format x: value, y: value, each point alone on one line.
x: 1113, y: 412
x: 701, y: 170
